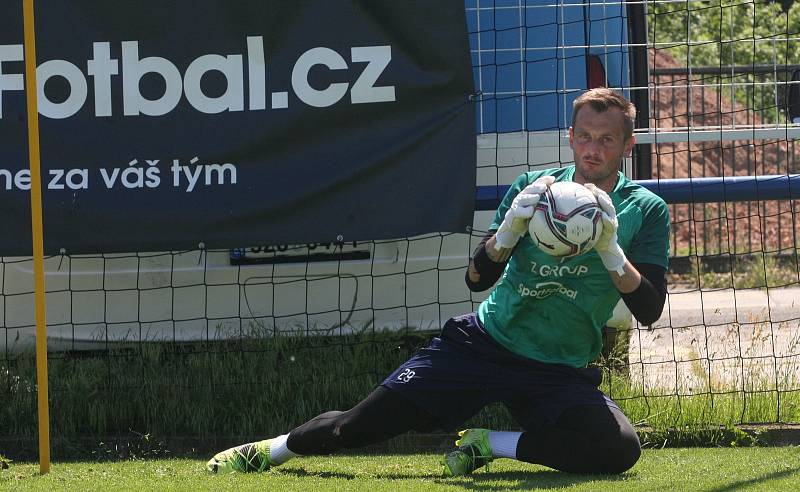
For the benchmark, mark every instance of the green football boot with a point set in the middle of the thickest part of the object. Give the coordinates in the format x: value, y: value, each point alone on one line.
x: 473, y: 452
x: 251, y: 457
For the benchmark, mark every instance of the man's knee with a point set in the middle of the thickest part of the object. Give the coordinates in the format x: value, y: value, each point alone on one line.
x: 619, y: 447
x: 609, y: 444
x: 619, y: 456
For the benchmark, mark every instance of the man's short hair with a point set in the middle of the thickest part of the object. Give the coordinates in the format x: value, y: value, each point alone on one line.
x: 600, y: 99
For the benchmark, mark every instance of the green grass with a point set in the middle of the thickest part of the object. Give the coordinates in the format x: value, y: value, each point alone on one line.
x: 658, y: 470
x: 722, y: 270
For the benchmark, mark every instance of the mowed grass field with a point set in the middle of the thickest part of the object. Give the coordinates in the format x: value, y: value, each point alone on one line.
x: 719, y: 469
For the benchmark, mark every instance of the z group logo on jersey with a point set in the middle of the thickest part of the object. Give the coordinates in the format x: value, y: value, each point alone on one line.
x: 558, y: 270
x: 546, y: 289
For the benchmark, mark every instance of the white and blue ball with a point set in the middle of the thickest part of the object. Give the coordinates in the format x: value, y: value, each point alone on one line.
x: 567, y: 221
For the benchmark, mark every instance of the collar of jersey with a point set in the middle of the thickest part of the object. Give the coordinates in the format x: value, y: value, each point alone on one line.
x: 570, y: 174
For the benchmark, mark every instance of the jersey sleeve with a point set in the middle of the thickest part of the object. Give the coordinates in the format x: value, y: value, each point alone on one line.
x: 651, y: 242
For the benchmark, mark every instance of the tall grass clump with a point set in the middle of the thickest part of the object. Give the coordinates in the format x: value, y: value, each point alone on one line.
x: 254, y: 386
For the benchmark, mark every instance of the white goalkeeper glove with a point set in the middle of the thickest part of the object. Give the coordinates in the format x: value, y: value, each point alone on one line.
x: 515, y: 223
x: 607, y: 246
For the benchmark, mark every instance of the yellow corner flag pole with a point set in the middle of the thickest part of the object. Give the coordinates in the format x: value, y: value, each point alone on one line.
x: 38, y: 237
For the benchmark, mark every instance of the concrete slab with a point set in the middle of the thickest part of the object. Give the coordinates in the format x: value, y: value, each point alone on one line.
x: 720, y: 340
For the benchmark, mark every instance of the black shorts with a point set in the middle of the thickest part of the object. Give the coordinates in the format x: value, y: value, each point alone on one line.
x: 464, y: 369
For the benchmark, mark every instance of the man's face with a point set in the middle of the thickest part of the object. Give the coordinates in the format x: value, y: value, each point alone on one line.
x: 599, y: 144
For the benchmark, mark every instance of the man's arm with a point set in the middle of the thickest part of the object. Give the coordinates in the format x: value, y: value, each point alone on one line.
x: 487, y: 263
x: 630, y: 279
x: 490, y: 257
x: 643, y: 288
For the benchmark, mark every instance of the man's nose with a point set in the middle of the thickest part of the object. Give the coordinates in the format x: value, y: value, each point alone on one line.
x: 593, y: 146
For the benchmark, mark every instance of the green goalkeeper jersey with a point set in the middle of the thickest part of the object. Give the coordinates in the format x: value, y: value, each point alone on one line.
x: 553, y: 310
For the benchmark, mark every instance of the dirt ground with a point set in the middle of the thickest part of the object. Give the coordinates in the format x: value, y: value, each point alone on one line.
x: 681, y: 103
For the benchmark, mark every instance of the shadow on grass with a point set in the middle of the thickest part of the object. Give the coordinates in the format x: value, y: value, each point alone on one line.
x: 763, y: 481
x: 301, y: 472
x: 502, y: 480
x: 520, y: 480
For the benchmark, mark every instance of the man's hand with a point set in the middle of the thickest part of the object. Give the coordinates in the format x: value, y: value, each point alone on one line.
x: 515, y: 223
x: 607, y: 246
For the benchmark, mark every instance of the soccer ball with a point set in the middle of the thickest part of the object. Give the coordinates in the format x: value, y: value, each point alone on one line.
x: 567, y: 221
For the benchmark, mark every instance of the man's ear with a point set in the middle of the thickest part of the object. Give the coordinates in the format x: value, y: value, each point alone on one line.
x: 629, y: 145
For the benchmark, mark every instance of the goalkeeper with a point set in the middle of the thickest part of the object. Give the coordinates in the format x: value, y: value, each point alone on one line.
x: 529, y: 344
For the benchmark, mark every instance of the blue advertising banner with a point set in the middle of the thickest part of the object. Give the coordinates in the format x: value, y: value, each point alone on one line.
x: 165, y: 125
